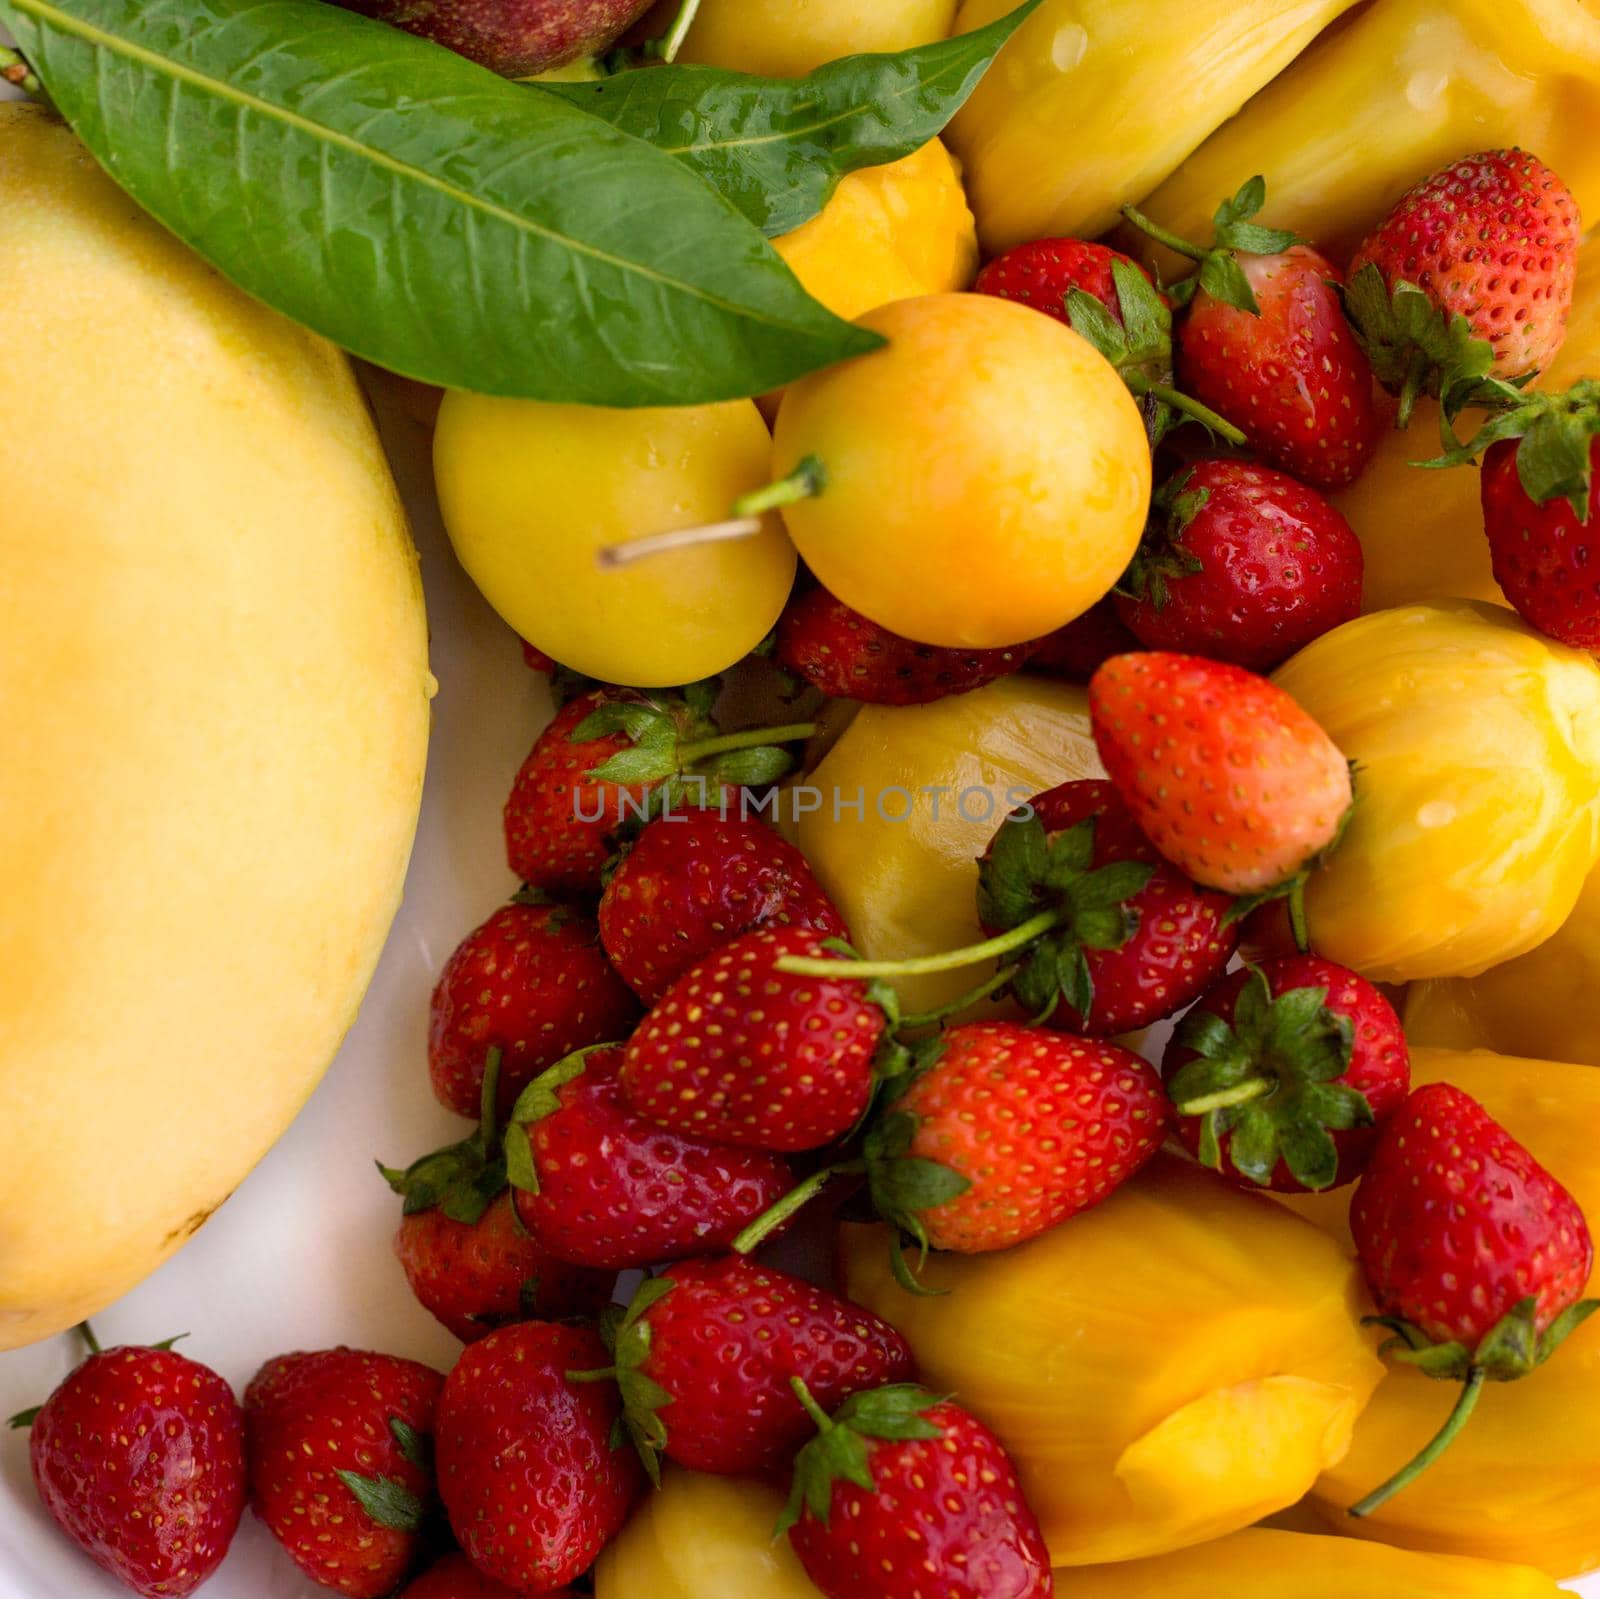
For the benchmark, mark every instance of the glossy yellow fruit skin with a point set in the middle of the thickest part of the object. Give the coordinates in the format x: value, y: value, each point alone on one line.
x: 1165, y: 1369
x: 703, y: 1537
x: 1522, y: 1483
x: 987, y: 472
x: 888, y: 233
x: 214, y: 691
x: 532, y: 492
x: 1274, y: 1565
x: 1477, y: 816
x: 789, y: 38
x: 1422, y: 532
x: 955, y: 768
x: 1409, y: 86
x: 1094, y: 102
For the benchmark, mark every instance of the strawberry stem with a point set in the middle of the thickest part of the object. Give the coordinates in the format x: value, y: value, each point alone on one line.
x: 750, y: 738
x: 1178, y: 401
x: 1240, y: 1094
x: 951, y: 960
x: 798, y: 1197
x: 815, y: 1411
x: 86, y: 1333
x: 1459, y: 1417
x: 604, y: 1374
x: 806, y: 482
x: 1153, y: 230
x: 1298, y: 926
x: 973, y: 996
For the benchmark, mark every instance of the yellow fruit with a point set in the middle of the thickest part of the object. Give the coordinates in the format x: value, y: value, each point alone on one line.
x: 532, y: 492
x: 987, y: 472
x: 1094, y: 102
x: 1406, y: 88
x: 1522, y: 1483
x: 1293, y: 1565
x: 213, y: 685
x: 703, y: 1538
x: 889, y: 233
x: 1166, y: 1368
x: 952, y: 770
x: 1477, y: 817
x: 788, y: 38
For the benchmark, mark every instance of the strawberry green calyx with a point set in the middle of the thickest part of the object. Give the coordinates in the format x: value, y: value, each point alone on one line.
x: 462, y: 1179
x: 1268, y: 1083
x: 1162, y: 555
x: 1512, y: 1349
x: 537, y: 1101
x: 1292, y: 890
x: 902, y: 1186
x: 842, y: 1449
x: 1234, y: 232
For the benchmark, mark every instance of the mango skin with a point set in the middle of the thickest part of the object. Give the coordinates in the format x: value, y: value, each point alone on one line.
x: 1522, y: 1483
x: 1269, y: 1565
x: 1164, y: 1369
x: 214, y: 689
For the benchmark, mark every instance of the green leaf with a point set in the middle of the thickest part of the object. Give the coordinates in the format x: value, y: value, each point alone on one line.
x: 24, y: 1418
x: 422, y: 212
x: 386, y: 1501
x: 777, y: 147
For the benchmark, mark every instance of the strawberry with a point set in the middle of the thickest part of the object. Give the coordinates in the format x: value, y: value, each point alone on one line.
x: 601, y: 1186
x: 139, y: 1459
x: 1266, y: 343
x: 1474, y: 1254
x: 455, y: 1577
x: 1076, y: 652
x: 610, y: 755
x: 1132, y: 939
x: 705, y: 1353
x: 339, y: 1472
x: 1284, y: 1074
x: 692, y: 883
x: 902, y: 1495
x: 741, y: 1052
x: 531, y: 982
x: 847, y: 657
x: 1468, y: 278
x: 1231, y: 780
x: 1242, y: 564
x: 530, y: 1478
x: 536, y: 660
x: 1110, y: 300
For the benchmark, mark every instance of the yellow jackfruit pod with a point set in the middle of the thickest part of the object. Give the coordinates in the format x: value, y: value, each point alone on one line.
x: 1164, y: 1369
x: 1422, y: 532
x: 897, y: 813
x: 1094, y: 102
x: 1522, y: 1483
x: 1273, y: 1565
x: 1404, y: 89
x: 1477, y: 816
x: 703, y: 1537
x: 789, y: 38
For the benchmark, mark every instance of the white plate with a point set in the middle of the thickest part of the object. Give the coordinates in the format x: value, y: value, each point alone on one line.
x: 298, y: 1258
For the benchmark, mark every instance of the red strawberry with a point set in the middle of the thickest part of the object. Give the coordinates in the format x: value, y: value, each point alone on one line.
x: 903, y: 1495
x: 1232, y: 781
x: 696, y: 880
x: 455, y: 1577
x: 848, y: 657
x: 536, y: 660
x: 532, y: 982
x: 338, y: 1463
x: 602, y: 1186
x: 1475, y: 1255
x: 530, y: 1478
x: 477, y: 1276
x: 1076, y: 652
x: 705, y: 1354
x: 1012, y: 1130
x: 1469, y: 276
x: 740, y: 1052
x: 1241, y: 564
x: 1043, y: 272
x: 1284, y: 1074
x: 1133, y: 941
x: 1266, y: 343
x: 139, y: 1458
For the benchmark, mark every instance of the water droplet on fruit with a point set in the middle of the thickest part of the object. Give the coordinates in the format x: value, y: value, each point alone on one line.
x: 1436, y: 813
x: 1068, y: 47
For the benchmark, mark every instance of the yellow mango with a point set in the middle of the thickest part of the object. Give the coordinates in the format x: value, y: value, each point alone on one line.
x: 1294, y: 1565
x: 1094, y: 102
x: 933, y: 782
x: 1422, y: 532
x: 703, y: 1537
x: 1407, y: 87
x: 1477, y: 813
x: 1166, y: 1368
x: 789, y: 38
x: 1522, y: 1483
x: 214, y: 690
